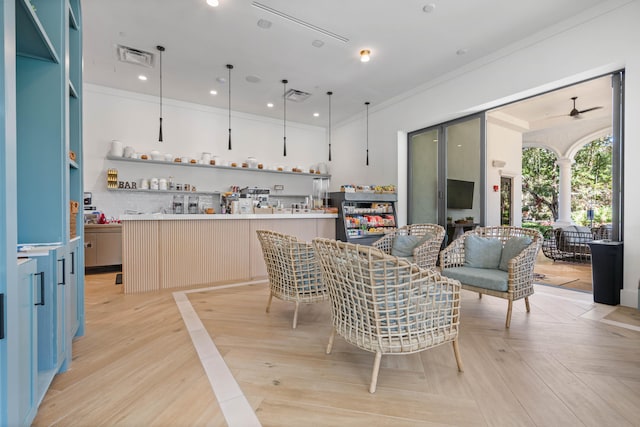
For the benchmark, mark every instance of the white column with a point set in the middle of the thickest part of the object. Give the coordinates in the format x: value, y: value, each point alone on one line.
x: 564, y: 192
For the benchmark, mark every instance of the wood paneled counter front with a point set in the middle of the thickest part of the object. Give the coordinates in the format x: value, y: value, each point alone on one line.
x: 161, y: 251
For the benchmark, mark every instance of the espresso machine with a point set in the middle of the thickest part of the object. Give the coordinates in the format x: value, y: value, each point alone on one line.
x: 259, y: 195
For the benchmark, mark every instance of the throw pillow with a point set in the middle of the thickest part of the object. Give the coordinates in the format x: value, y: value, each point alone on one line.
x: 512, y: 249
x: 403, y: 245
x: 482, y: 252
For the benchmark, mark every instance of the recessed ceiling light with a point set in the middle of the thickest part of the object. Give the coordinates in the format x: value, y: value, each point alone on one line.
x: 213, y: 3
x: 428, y: 8
x: 264, y: 24
x: 317, y: 43
x: 221, y: 80
x: 461, y: 51
x: 459, y: 145
x: 270, y: 105
x: 316, y: 114
x: 142, y: 77
x: 253, y: 79
x: 213, y: 92
x: 365, y: 55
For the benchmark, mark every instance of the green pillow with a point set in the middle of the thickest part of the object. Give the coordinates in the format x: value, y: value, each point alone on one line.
x: 403, y: 245
x: 482, y: 252
x: 512, y: 249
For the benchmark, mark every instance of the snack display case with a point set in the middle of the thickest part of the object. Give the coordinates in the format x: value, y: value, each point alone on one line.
x: 364, y: 217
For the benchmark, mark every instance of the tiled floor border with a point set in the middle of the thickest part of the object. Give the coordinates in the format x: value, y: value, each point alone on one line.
x: 234, y: 405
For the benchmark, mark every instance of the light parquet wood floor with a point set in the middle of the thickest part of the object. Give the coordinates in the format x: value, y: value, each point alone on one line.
x: 556, y: 366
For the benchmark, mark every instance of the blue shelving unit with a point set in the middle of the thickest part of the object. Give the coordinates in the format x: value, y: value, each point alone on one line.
x: 42, y: 300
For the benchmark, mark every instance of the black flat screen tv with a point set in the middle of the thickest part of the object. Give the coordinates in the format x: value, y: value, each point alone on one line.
x: 459, y: 194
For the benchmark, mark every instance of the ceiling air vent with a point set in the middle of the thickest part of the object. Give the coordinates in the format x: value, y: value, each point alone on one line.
x: 296, y: 95
x: 135, y: 56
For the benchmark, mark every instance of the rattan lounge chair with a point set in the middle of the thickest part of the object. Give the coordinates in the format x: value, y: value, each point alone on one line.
x: 513, y: 283
x: 293, y: 271
x: 385, y: 304
x: 425, y: 254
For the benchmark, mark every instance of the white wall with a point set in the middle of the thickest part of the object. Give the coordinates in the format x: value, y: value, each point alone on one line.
x: 506, y: 145
x: 589, y: 45
x: 188, y: 130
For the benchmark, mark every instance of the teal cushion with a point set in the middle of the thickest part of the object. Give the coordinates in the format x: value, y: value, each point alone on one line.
x: 486, y: 278
x: 403, y: 245
x: 512, y: 249
x: 482, y: 252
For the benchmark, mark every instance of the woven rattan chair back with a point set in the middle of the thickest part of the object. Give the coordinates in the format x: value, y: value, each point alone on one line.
x: 425, y: 254
x: 520, y: 271
x: 386, y: 305
x: 293, y: 271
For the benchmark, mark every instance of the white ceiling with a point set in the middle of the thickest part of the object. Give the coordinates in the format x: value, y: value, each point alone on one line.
x: 409, y: 48
x: 544, y: 119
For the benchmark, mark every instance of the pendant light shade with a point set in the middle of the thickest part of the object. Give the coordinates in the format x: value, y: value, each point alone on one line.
x: 329, y: 94
x: 160, y: 49
x: 367, y: 104
x: 284, y: 123
x: 229, y: 67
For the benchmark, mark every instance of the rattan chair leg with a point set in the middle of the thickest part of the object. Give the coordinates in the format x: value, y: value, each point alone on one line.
x: 526, y: 303
x: 295, y: 315
x: 456, y: 352
x: 374, y: 374
x: 269, y: 302
x: 331, y: 338
x: 509, y: 313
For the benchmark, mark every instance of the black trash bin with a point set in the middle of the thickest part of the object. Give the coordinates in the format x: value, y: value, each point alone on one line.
x: 606, y: 271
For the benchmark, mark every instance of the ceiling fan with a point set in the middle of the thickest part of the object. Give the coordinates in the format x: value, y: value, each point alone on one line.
x: 575, y: 113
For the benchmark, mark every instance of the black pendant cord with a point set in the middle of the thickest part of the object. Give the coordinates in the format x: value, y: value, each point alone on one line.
x: 367, y: 104
x: 229, y: 67
x: 284, y: 97
x: 161, y: 49
x: 329, y: 93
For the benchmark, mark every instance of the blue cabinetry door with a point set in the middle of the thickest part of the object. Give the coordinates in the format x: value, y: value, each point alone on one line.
x: 22, y: 347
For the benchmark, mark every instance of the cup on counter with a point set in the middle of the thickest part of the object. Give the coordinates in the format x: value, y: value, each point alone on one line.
x: 154, y: 183
x: 128, y: 151
x: 162, y: 184
x: 206, y: 157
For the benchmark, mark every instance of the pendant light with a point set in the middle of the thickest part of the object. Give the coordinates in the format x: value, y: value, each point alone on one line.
x: 284, y: 97
x: 229, y: 67
x: 160, y: 49
x: 367, y: 104
x: 329, y: 93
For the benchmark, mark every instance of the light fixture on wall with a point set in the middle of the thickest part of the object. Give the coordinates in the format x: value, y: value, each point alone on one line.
x: 329, y: 93
x: 498, y: 163
x: 284, y: 121
x: 160, y: 49
x: 367, y: 104
x: 229, y: 67
x: 365, y: 55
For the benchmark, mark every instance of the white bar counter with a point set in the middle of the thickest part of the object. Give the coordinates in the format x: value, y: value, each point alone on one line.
x: 165, y: 251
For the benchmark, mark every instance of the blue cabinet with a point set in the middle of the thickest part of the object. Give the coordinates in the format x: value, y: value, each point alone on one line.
x: 40, y: 174
x: 22, y: 347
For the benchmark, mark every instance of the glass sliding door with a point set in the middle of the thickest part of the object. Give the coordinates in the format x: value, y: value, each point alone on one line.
x: 464, y: 169
x: 446, y: 172
x: 423, y: 177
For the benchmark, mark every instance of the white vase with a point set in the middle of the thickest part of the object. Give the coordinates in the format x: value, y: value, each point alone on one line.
x: 116, y: 149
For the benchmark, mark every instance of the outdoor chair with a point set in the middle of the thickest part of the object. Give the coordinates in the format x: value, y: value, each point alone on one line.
x: 571, y: 243
x: 496, y: 261
x: 385, y: 304
x: 293, y: 271
x: 419, y: 243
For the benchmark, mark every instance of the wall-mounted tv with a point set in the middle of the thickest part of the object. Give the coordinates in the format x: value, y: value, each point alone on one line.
x: 459, y: 194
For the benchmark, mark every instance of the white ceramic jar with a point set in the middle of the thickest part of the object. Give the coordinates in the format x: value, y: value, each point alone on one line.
x: 116, y: 149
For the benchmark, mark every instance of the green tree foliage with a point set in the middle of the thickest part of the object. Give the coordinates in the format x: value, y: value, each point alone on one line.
x: 539, y: 184
x: 591, y: 183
